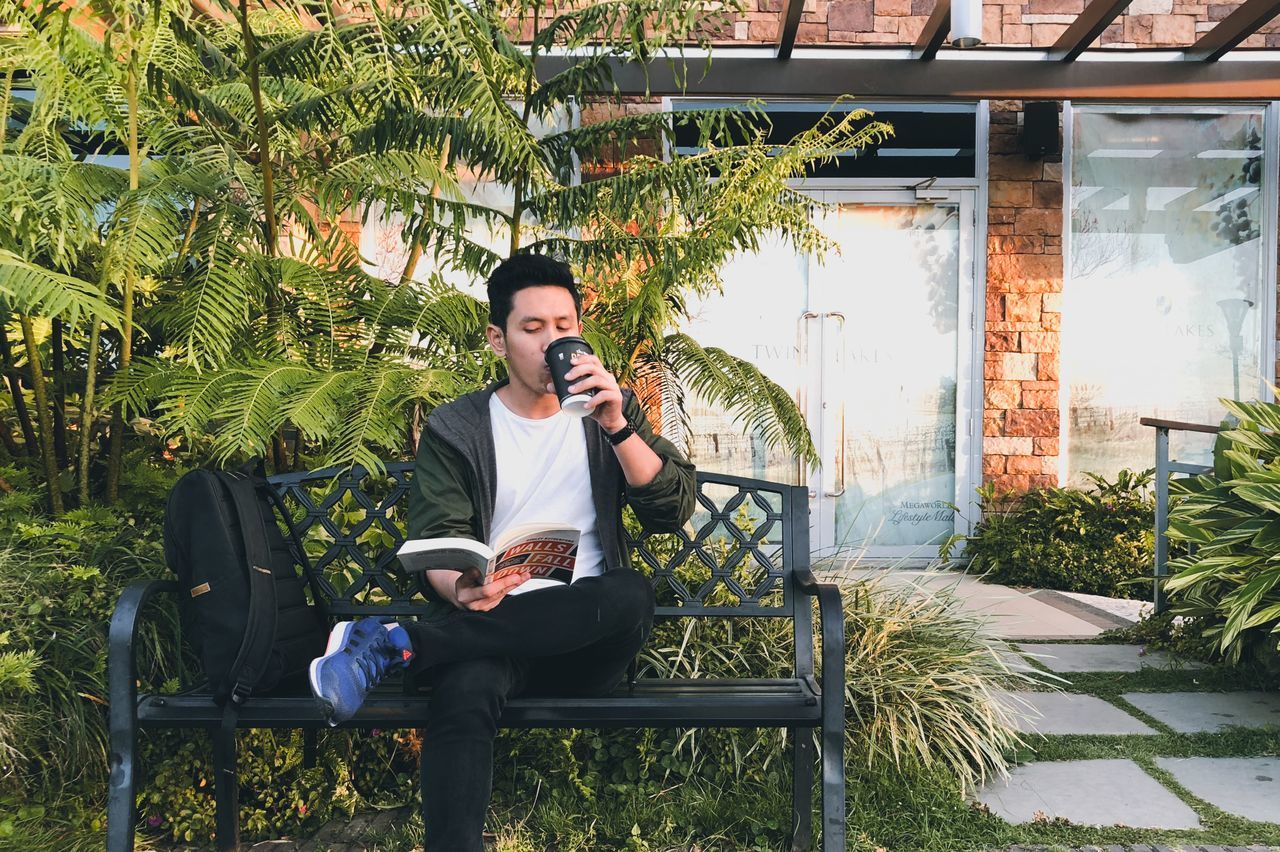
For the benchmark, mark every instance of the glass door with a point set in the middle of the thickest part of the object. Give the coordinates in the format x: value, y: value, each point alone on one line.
x: 874, y: 343
x: 892, y: 366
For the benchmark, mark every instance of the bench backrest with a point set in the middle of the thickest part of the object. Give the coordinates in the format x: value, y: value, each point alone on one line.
x: 734, y: 558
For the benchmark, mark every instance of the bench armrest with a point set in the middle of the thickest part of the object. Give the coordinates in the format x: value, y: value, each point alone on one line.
x: 122, y: 682
x: 831, y: 614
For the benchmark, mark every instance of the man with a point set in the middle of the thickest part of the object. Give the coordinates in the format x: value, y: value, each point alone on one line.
x: 490, y: 460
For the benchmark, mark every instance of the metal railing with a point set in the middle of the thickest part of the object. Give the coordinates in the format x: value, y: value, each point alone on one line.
x: 1165, y: 466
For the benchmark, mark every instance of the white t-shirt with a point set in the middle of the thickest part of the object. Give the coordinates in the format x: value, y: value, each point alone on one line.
x: 543, y: 477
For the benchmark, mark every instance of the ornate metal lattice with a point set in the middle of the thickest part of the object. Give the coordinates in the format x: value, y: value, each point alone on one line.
x: 732, y: 557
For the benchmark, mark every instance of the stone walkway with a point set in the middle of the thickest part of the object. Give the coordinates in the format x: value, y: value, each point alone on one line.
x: 1120, y: 791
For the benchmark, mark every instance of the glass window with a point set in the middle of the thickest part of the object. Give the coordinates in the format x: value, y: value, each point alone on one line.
x: 929, y: 140
x: 1165, y: 278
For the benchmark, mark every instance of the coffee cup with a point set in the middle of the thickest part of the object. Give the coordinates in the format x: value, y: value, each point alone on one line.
x: 559, y: 357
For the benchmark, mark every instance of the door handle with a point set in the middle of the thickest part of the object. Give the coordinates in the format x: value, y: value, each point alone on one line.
x: 837, y: 457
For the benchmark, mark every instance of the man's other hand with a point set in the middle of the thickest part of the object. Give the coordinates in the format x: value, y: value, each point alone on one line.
x: 589, y: 373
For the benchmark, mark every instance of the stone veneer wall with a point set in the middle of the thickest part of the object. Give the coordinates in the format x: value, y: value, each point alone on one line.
x: 1020, y: 424
x: 1038, y: 23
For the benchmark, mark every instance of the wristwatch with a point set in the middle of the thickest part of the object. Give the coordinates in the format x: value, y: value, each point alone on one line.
x: 616, y: 438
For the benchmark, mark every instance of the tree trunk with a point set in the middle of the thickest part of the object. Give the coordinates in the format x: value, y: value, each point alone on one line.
x: 522, y: 180
x: 415, y: 248
x: 6, y: 437
x: 278, y: 459
x: 87, y: 418
x: 42, y: 414
x: 59, y: 397
x: 115, y: 456
x: 264, y: 131
x: 414, y: 431
x: 15, y: 390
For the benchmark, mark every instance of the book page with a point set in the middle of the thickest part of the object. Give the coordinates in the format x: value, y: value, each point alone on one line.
x: 454, y: 554
x: 545, y: 553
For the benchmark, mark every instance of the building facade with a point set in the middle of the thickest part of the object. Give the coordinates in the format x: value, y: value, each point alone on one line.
x: 1039, y: 256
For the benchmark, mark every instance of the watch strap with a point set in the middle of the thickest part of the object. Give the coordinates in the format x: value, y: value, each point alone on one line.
x: 616, y: 438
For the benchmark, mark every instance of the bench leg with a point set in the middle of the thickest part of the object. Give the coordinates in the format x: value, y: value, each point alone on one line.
x: 121, y: 789
x: 801, y: 789
x: 309, y: 748
x: 226, y: 787
x: 833, y: 828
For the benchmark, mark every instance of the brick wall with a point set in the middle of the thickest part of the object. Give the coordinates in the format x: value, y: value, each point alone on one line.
x: 1038, y: 23
x: 1024, y: 310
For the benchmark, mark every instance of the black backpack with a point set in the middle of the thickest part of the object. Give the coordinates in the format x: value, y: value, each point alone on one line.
x: 241, y: 602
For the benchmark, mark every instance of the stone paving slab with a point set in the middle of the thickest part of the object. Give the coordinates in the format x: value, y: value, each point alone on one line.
x: 1244, y: 786
x: 1087, y: 792
x: 1009, y: 613
x: 1191, y: 712
x: 1102, y: 658
x: 1015, y: 661
x: 1068, y: 713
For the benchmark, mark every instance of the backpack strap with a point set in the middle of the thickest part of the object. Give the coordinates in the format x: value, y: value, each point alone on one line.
x: 300, y: 553
x: 260, y: 629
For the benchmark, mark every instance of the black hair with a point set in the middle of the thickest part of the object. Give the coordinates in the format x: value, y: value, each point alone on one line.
x: 527, y: 270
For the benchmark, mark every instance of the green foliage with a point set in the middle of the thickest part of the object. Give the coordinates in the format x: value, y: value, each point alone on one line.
x: 278, y: 796
x: 919, y: 675
x: 59, y: 580
x: 1229, y: 521
x: 218, y: 256
x: 1098, y: 541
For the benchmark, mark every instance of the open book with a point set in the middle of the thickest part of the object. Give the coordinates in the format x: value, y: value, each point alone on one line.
x: 548, y: 551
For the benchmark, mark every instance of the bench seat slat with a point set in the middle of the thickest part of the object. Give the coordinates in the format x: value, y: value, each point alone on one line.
x: 651, y: 703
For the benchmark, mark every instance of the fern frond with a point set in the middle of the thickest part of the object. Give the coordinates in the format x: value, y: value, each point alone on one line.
x: 32, y: 289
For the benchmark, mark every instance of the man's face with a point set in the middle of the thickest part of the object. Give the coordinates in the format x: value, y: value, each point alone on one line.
x: 539, y: 316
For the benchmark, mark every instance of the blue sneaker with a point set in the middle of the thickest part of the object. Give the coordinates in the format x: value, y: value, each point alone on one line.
x: 357, y: 658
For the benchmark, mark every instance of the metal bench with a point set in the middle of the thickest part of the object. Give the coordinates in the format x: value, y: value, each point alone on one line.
x: 726, y: 569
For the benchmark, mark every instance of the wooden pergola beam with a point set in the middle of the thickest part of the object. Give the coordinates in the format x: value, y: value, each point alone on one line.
x: 1233, y: 29
x: 934, y: 32
x: 788, y: 25
x: 1088, y: 25
x: 973, y: 78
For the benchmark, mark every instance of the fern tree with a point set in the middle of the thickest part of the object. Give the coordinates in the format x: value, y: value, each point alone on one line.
x: 390, y: 107
x: 52, y: 281
x: 257, y: 128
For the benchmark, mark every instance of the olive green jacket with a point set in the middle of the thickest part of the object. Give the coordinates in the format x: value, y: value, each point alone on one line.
x: 455, y: 479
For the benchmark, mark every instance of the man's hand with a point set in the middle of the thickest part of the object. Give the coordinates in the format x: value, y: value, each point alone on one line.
x: 464, y: 590
x: 588, y: 373
x: 470, y: 594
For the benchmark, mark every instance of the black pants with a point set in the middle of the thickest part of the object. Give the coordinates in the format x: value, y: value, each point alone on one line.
x: 569, y: 640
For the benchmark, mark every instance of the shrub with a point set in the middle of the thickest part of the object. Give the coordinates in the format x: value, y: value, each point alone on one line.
x: 59, y: 581
x: 1226, y: 580
x: 1099, y: 541
x: 278, y: 796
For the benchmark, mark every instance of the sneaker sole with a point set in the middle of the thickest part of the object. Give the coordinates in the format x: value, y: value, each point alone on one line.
x: 337, y: 638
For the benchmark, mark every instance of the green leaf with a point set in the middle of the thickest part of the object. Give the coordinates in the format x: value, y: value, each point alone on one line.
x: 1263, y: 495
x: 31, y: 289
